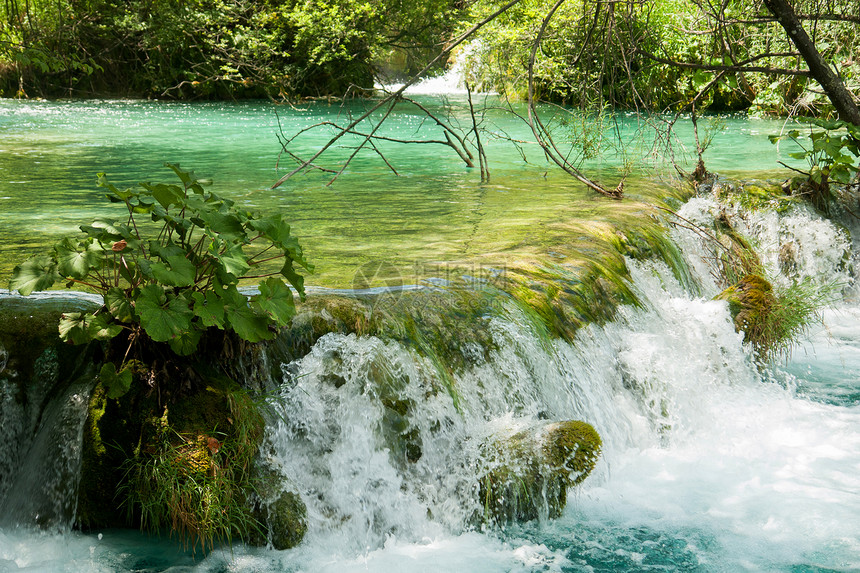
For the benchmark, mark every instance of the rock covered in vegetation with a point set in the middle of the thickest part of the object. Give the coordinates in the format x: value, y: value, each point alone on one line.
x: 178, y: 457
x: 530, y: 471
x: 278, y: 508
x: 750, y: 300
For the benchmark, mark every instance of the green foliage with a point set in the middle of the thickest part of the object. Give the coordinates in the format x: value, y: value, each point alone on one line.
x: 176, y: 277
x: 210, y: 48
x: 771, y: 316
x: 624, y: 55
x: 831, y: 151
x: 194, y: 484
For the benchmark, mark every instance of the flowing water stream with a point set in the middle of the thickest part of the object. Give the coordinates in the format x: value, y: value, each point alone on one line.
x: 710, y: 461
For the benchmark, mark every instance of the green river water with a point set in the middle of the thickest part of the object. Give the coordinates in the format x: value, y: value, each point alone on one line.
x: 712, y: 462
x: 434, y: 218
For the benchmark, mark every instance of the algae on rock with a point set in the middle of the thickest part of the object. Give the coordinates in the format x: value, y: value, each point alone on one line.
x: 529, y: 473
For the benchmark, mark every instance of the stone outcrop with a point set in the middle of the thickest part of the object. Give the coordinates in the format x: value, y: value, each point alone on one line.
x: 529, y: 473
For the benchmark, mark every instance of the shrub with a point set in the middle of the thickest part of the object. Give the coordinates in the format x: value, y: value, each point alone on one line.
x: 172, y: 280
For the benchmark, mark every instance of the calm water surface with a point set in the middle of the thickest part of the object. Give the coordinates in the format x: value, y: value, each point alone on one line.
x: 435, y: 213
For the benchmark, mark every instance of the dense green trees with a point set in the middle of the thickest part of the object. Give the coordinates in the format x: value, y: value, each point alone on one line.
x: 664, y: 54
x: 654, y: 54
x: 210, y: 48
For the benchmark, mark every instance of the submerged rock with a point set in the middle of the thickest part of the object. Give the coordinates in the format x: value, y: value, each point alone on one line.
x: 530, y: 472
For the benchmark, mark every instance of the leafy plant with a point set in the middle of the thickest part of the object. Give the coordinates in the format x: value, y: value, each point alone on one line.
x: 831, y: 152
x: 173, y: 280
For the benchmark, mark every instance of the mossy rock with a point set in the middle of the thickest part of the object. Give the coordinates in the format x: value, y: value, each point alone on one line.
x: 201, y: 427
x: 750, y: 302
x: 279, y: 509
x: 112, y: 432
x: 531, y: 471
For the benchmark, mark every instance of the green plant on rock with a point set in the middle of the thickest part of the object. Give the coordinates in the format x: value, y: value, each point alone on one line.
x: 770, y: 316
x: 831, y: 151
x: 174, y: 278
x: 195, y: 484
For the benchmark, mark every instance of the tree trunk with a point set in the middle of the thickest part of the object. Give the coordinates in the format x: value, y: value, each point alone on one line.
x: 839, y: 95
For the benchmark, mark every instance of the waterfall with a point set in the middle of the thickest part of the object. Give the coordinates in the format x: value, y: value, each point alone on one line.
x: 449, y: 83
x: 711, y: 460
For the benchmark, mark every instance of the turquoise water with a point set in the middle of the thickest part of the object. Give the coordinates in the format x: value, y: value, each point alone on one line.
x: 711, y: 463
x: 436, y: 212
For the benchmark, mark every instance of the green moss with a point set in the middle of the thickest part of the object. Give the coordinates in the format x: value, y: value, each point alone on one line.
x: 530, y: 472
x: 191, y: 473
x: 281, y: 511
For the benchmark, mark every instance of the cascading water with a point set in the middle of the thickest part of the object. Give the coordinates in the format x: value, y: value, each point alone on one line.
x: 710, y: 462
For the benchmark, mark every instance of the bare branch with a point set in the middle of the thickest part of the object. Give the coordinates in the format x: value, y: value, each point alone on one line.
x: 539, y: 130
x: 397, y: 94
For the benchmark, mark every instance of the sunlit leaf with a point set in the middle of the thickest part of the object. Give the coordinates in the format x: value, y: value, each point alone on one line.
x: 233, y: 261
x: 76, y: 260
x: 98, y: 328
x: 74, y: 327
x: 167, y: 195
x: 276, y: 300
x: 39, y: 273
x: 297, y: 280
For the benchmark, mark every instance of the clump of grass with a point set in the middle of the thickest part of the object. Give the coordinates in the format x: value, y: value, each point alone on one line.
x: 195, y: 484
x: 772, y: 318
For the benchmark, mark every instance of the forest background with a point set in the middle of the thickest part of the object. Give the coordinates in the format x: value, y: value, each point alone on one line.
x: 652, y: 55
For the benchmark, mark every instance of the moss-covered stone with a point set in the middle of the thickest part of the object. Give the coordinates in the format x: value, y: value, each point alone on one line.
x: 278, y: 508
x: 175, y: 452
x: 751, y: 300
x: 530, y: 472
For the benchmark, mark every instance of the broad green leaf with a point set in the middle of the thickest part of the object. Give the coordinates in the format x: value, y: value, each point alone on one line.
x: 74, y: 327
x: 119, y: 305
x: 145, y: 268
x: 187, y: 177
x: 186, y: 342
x: 108, y: 232
x: 114, y: 191
x: 297, y: 280
x: 116, y: 384
x: 225, y: 225
x: 165, y: 251
x: 162, y: 319
x: 175, y: 271
x: 273, y: 227
x: 276, y: 300
x: 233, y: 261
x: 76, y: 260
x: 209, y: 309
x: 249, y: 324
x: 167, y: 195
x: 39, y: 273
x: 98, y: 328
